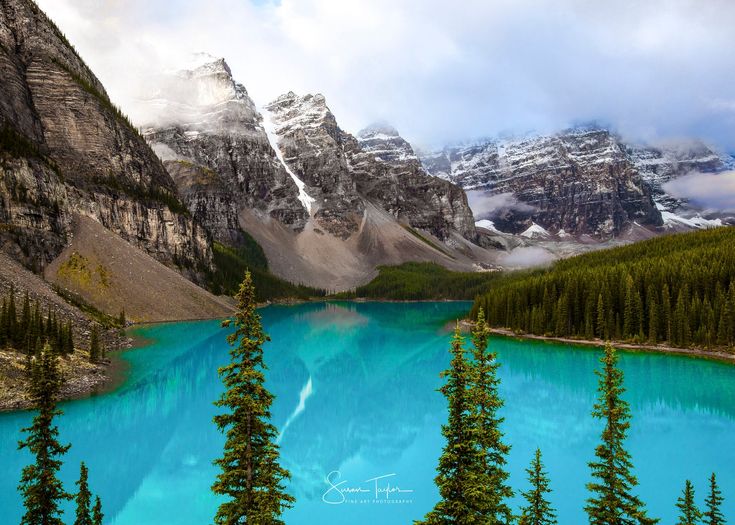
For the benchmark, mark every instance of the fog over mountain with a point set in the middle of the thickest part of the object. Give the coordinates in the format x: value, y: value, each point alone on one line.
x: 439, y: 71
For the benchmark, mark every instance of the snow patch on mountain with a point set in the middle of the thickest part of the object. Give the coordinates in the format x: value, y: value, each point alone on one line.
x: 535, y: 231
x: 270, y: 130
x: 671, y: 220
x: 488, y: 225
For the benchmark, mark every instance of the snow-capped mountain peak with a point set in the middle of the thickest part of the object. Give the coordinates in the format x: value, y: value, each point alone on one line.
x: 384, y: 142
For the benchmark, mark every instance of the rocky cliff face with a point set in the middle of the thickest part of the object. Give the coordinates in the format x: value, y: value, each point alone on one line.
x: 66, y: 149
x: 290, y: 161
x: 389, y: 172
x: 377, y: 165
x: 211, y: 138
x: 311, y: 144
x: 580, y: 182
x: 660, y: 164
x: 326, y: 207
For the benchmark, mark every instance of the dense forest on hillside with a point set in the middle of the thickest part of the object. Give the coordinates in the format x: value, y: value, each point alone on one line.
x: 678, y: 289
x: 423, y: 281
x: 25, y: 328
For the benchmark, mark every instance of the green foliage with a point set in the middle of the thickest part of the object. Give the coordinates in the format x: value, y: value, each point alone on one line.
x: 612, y: 501
x: 83, y: 498
x: 678, y: 289
x: 713, y: 503
x: 471, y: 476
x: 538, y: 510
x: 95, y: 349
x: 42, y: 491
x: 107, y: 321
x: 231, y: 263
x: 485, y: 404
x: 421, y: 281
x: 16, y: 144
x: 28, y: 330
x: 97, y: 515
x: 455, y: 469
x: 251, y: 477
x: 688, y: 512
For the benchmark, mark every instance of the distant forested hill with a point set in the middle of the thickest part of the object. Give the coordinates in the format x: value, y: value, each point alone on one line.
x: 678, y: 289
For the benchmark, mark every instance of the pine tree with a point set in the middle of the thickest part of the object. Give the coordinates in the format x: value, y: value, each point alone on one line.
x: 538, y: 511
x: 459, y: 456
x: 97, y: 515
x: 251, y: 476
x: 652, y: 322
x: 12, y: 318
x: 83, y: 498
x: 713, y: 514
x: 688, y: 512
x: 612, y: 502
x: 121, y: 319
x: 601, y: 318
x: 484, y: 404
x: 42, y: 491
x: 95, y: 353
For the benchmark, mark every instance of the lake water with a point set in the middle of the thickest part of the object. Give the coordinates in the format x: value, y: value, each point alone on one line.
x: 356, y: 397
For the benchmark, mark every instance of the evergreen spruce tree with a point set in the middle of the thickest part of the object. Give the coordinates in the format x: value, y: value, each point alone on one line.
x: 251, y: 477
x: 458, y: 462
x: 12, y: 318
x: 42, y: 491
x: 97, y: 515
x: 601, y: 318
x: 484, y: 404
x: 612, y: 501
x: 83, y: 498
x: 538, y: 510
x: 688, y: 512
x: 95, y: 353
x: 713, y: 502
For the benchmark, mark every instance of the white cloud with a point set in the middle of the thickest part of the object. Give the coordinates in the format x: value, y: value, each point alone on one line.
x: 484, y: 204
x: 714, y: 191
x: 440, y: 70
x: 527, y: 257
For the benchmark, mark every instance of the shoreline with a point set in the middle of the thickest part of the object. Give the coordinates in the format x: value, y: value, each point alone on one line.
x: 106, y: 379
x: 715, y: 355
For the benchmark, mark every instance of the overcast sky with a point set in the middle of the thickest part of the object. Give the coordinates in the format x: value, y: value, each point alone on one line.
x: 441, y: 71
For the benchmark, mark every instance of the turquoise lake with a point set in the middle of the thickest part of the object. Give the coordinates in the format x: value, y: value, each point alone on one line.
x: 356, y: 397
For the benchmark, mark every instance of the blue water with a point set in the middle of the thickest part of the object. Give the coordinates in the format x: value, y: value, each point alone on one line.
x: 355, y: 387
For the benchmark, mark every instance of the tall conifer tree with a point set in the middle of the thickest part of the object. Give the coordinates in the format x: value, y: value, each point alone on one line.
x: 251, y: 477
x: 83, y: 498
x: 95, y: 353
x: 42, y: 491
x: 538, y: 510
x: 713, y: 503
x: 689, y: 514
x: 612, y: 501
x: 458, y: 462
x: 97, y: 515
x: 485, y: 403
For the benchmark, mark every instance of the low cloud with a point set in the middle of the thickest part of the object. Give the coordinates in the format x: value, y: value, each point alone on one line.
x: 485, y: 205
x: 527, y: 257
x: 713, y: 191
